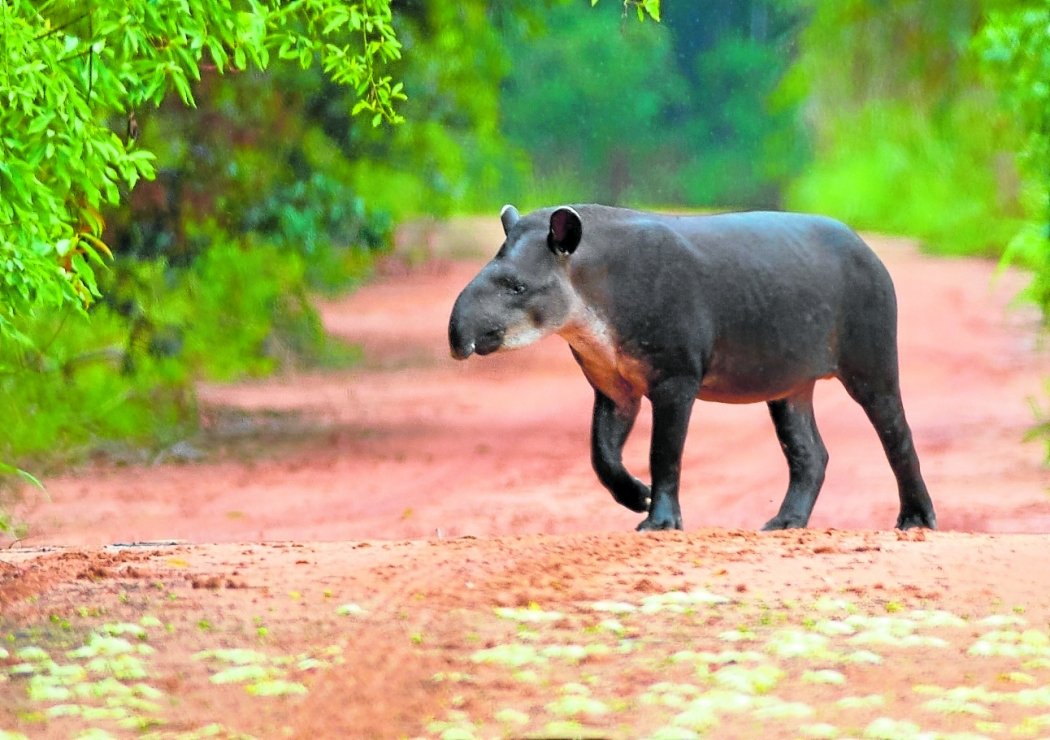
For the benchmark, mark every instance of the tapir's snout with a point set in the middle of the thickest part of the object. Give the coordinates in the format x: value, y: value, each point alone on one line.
x: 468, y: 333
x: 461, y: 351
x: 459, y: 344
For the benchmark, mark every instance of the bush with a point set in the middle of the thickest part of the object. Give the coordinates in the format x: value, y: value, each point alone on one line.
x: 326, y: 223
x: 895, y: 169
x: 123, y: 372
x: 245, y: 311
x: 71, y: 390
x: 1014, y: 49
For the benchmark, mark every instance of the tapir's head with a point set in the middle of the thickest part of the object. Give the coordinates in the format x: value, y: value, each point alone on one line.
x: 524, y: 293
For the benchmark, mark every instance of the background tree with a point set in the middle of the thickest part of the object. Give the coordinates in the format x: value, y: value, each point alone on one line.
x: 588, y: 103
x: 1015, y: 49
x: 747, y: 139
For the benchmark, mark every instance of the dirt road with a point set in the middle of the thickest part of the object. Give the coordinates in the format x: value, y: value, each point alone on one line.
x: 419, y: 547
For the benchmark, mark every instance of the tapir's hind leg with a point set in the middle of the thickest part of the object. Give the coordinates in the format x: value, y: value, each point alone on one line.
x: 880, y: 398
x: 806, y: 456
x: 868, y: 368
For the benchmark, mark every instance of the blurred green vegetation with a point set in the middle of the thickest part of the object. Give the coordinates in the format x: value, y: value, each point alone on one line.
x: 891, y: 168
x: 908, y: 138
x: 919, y: 117
x: 682, y: 113
x: 1014, y: 48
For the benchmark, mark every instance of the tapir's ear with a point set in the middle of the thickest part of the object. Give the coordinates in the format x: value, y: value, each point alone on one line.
x: 508, y: 216
x: 566, y: 230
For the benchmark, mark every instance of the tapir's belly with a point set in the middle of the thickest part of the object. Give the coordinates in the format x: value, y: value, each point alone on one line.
x: 738, y: 390
x: 754, y: 374
x: 731, y: 378
x: 752, y: 359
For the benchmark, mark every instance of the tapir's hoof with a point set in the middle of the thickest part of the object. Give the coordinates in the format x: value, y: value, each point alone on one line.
x: 636, y: 498
x: 639, y: 505
x: 784, y: 522
x: 913, y: 520
x: 649, y: 524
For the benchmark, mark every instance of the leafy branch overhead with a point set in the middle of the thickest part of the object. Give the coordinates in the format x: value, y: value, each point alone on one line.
x: 68, y: 72
x: 644, y: 8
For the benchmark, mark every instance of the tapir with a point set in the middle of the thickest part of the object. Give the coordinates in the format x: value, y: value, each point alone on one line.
x: 736, y: 308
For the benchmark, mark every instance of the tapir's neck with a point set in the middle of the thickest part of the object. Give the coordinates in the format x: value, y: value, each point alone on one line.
x: 589, y: 334
x: 608, y: 368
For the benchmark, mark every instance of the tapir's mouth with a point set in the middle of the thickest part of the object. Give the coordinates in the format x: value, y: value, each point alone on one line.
x: 489, y: 342
x: 485, y: 344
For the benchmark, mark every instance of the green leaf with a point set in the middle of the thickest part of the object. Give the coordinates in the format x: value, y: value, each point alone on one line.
x: 276, y: 687
x: 6, y: 469
x: 241, y: 674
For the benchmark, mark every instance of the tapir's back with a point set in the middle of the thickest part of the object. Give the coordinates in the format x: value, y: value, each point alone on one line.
x: 771, y: 236
x: 736, y: 245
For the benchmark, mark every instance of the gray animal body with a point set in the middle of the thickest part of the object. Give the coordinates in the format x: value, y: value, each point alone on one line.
x: 736, y: 308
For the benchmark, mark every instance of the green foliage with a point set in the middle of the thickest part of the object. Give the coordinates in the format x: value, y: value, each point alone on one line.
x: 573, y: 124
x: 9, y: 527
x: 64, y: 69
x: 259, y: 159
x: 57, y: 398
x: 749, y: 137
x: 209, y: 281
x: 326, y: 222
x: 650, y: 8
x: 255, y: 322
x: 449, y: 155
x: 1015, y: 50
x: 67, y: 73
x: 907, y: 139
x: 892, y: 168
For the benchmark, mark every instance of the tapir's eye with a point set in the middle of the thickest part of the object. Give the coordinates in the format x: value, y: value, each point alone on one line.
x: 513, y: 286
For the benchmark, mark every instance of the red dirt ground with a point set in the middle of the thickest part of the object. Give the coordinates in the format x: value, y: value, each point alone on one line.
x: 430, y: 492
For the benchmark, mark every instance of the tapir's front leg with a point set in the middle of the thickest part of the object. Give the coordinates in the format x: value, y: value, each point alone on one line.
x: 609, y: 429
x: 672, y: 401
